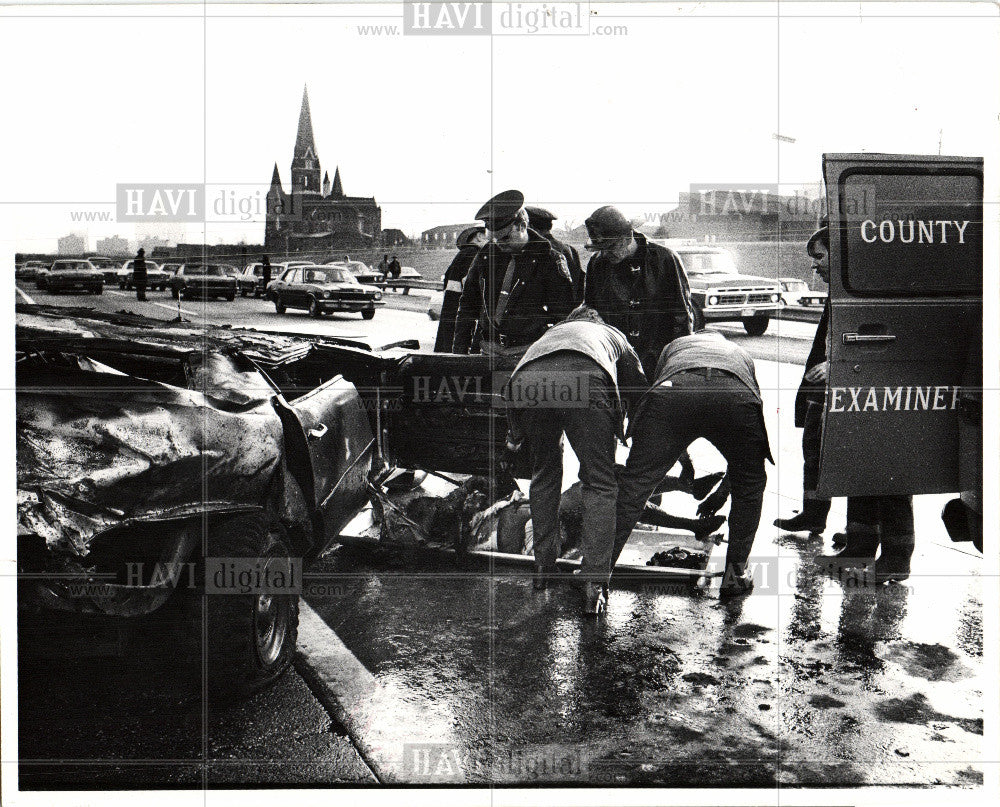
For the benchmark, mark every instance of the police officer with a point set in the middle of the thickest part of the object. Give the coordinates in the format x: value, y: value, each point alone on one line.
x: 266, y: 272
x: 518, y: 284
x: 469, y: 242
x: 705, y: 387
x: 637, y: 286
x: 597, y: 367
x: 540, y: 220
x: 139, y: 274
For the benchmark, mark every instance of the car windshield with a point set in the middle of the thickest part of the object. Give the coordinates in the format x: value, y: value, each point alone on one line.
x: 796, y: 285
x: 709, y: 263
x: 102, y: 263
x: 328, y: 275
x: 212, y: 270
x: 72, y: 266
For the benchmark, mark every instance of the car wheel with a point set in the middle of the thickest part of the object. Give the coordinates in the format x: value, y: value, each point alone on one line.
x: 250, y: 637
x: 230, y: 297
x: 99, y: 290
x: 368, y: 313
x: 279, y: 306
x: 315, y: 310
x: 244, y: 293
x: 755, y: 326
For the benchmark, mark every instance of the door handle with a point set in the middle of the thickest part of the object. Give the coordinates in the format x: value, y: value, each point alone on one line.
x: 855, y: 338
x: 318, y: 432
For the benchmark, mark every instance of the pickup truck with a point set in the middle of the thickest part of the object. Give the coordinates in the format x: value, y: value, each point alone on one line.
x: 721, y: 294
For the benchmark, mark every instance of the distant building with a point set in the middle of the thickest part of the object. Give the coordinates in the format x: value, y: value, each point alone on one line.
x: 394, y: 238
x: 316, y: 217
x: 73, y: 244
x: 112, y: 245
x: 151, y: 242
x: 444, y: 235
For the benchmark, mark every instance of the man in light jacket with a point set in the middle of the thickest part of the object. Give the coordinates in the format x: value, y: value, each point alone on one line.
x: 574, y: 379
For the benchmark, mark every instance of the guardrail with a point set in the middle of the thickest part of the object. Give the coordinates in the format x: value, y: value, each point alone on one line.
x: 407, y: 283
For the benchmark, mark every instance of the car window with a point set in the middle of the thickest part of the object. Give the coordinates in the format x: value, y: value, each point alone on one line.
x: 292, y: 276
x: 706, y: 263
x: 71, y: 266
x: 210, y: 270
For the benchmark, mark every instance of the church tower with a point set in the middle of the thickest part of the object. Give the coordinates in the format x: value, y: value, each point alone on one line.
x: 305, y: 162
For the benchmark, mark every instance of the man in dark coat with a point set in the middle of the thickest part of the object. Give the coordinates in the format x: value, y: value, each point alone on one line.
x: 809, y: 404
x: 518, y: 284
x: 469, y: 242
x: 540, y: 220
x: 573, y: 380
x: 705, y: 387
x: 637, y: 286
x: 139, y: 274
x: 266, y: 272
x: 395, y: 269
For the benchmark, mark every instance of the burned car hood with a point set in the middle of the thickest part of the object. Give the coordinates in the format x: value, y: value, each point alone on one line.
x: 118, y: 421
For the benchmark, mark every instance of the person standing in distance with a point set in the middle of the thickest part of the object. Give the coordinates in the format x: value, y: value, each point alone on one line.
x: 139, y: 274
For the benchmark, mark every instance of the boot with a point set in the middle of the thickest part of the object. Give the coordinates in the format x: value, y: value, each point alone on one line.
x: 860, y: 543
x: 894, y: 562
x: 595, y: 598
x: 811, y: 519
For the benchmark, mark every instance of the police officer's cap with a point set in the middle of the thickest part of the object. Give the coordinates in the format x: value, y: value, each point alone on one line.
x: 607, y: 224
x: 822, y: 235
x: 465, y: 237
x: 539, y: 218
x: 501, y: 211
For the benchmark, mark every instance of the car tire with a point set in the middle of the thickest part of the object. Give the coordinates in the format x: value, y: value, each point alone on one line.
x: 756, y: 326
x: 279, y: 306
x: 250, y: 637
x: 230, y: 297
x: 99, y: 290
x: 244, y: 293
x: 368, y: 313
x: 315, y: 311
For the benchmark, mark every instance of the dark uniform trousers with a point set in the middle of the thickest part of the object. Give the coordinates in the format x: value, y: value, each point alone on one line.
x: 892, y: 515
x: 812, y: 441
x: 592, y: 431
x: 699, y: 403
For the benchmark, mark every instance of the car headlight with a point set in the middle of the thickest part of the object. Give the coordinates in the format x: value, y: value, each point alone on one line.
x: 775, y: 298
x: 378, y: 295
x: 326, y: 294
x: 713, y: 300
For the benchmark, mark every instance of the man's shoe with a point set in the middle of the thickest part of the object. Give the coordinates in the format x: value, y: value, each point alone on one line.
x: 544, y: 574
x: 811, y: 519
x: 893, y: 564
x: 595, y: 598
x: 706, y: 526
x: 735, y: 586
x: 860, y: 544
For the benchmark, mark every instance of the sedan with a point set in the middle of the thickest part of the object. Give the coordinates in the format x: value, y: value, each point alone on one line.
x: 251, y: 281
x: 319, y: 289
x: 361, y: 271
x: 203, y: 280
x: 74, y: 275
x: 109, y: 267
x: 156, y: 278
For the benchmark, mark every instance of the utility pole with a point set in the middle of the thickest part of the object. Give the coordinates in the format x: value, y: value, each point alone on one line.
x: 940, y: 138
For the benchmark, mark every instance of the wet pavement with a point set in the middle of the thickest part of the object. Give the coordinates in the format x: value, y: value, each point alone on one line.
x: 810, y: 681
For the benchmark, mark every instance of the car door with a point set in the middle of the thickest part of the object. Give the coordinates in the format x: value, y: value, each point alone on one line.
x: 906, y: 286
x: 286, y: 287
x: 444, y: 412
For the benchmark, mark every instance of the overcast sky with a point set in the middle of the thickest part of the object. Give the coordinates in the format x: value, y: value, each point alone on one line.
x: 431, y: 126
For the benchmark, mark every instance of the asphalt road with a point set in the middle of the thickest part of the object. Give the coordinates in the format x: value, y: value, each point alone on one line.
x: 403, y: 317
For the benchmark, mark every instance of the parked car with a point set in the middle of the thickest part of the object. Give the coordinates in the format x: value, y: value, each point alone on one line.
x: 319, y: 289
x: 722, y: 294
x: 171, y: 269
x: 361, y: 271
x: 28, y: 270
x: 251, y: 280
x: 206, y: 280
x: 797, y: 292
x: 156, y: 278
x: 73, y: 274
x: 109, y: 267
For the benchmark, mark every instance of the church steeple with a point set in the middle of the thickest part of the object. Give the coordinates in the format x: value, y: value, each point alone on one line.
x: 326, y: 184
x: 338, y: 188
x: 275, y: 179
x: 305, y: 161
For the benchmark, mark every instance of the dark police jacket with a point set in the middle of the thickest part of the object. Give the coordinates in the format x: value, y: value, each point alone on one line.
x: 651, y: 305
x: 542, y: 294
x: 813, y: 390
x: 139, y: 271
x: 454, y: 277
x: 575, y: 267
